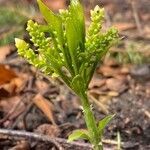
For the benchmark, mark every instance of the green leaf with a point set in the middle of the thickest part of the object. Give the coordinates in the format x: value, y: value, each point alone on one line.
x: 53, y: 20
x: 55, y: 24
x: 71, y: 35
x: 79, y: 134
x: 77, y: 17
x: 78, y: 84
x: 57, y: 67
x: 75, y: 32
x: 72, y: 42
x: 103, y: 123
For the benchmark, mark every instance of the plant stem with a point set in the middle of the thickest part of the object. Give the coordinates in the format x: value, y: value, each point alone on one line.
x: 91, y: 122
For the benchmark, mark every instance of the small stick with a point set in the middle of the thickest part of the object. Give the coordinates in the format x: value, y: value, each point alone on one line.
x: 11, y: 112
x: 44, y: 138
x: 146, y: 112
x: 29, y: 135
x: 56, y: 141
x: 99, y: 104
x: 111, y: 142
x: 22, y: 116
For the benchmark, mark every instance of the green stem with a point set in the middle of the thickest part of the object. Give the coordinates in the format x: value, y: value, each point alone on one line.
x: 91, y: 122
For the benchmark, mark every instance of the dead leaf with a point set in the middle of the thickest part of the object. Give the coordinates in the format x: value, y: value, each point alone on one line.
x: 4, y: 93
x: 4, y: 51
x: 123, y: 26
x: 10, y: 83
x: 108, y: 71
x: 41, y: 86
x: 6, y: 74
x: 146, y: 31
x: 23, y: 145
x: 116, y: 85
x: 10, y: 88
x: 45, y: 106
x: 7, y: 104
x: 145, y: 17
x: 95, y: 82
x: 20, y: 82
x: 113, y: 71
x: 113, y: 93
x: 121, y: 77
x: 110, y: 62
x: 105, y: 99
x: 125, y: 70
x: 15, y: 86
x: 97, y: 91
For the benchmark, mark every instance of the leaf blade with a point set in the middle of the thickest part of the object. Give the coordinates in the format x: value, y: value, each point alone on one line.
x: 53, y: 20
x: 79, y: 134
x: 103, y: 123
x: 77, y: 15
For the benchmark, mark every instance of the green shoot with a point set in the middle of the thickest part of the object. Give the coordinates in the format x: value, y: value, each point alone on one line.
x: 71, y: 53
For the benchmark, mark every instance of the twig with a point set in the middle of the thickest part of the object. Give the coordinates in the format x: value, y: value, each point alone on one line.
x: 147, y: 113
x: 44, y: 138
x: 14, y: 134
x: 22, y: 116
x: 12, y: 111
x: 112, y: 142
x: 29, y: 108
x: 99, y: 104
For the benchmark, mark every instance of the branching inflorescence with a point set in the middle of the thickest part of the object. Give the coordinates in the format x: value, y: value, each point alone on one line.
x: 64, y: 48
